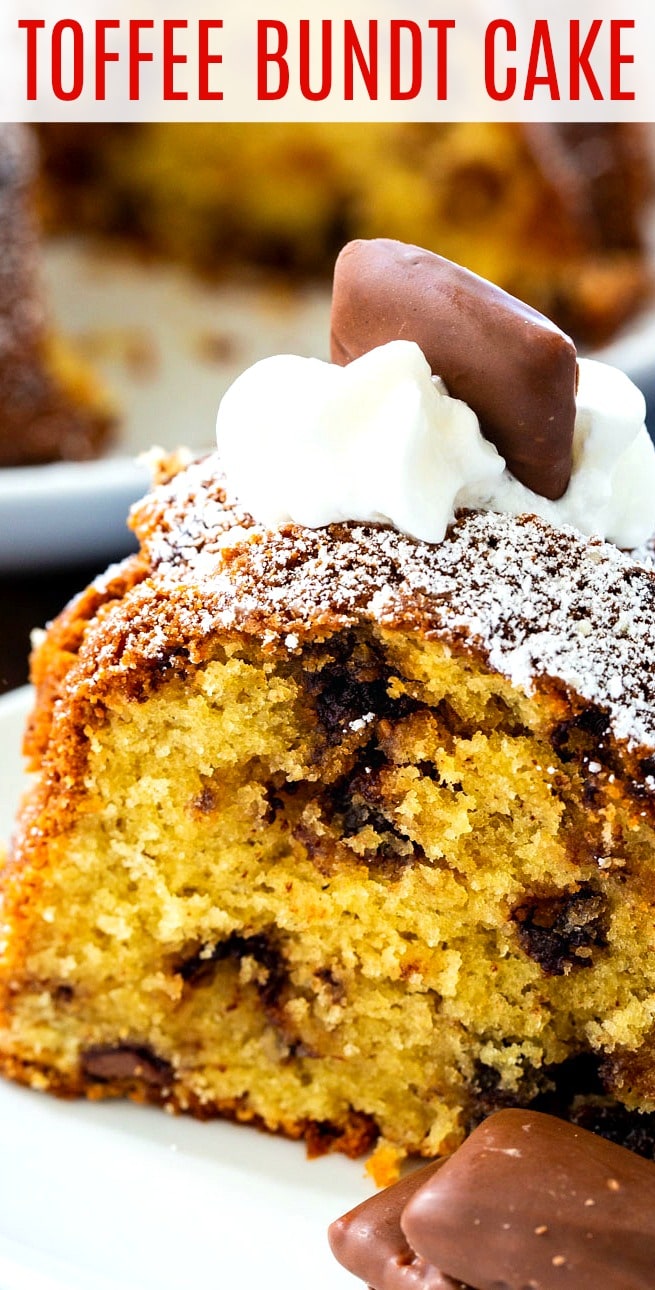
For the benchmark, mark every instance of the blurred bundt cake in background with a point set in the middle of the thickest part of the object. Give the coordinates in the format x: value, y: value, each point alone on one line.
x: 554, y: 213
x: 51, y: 408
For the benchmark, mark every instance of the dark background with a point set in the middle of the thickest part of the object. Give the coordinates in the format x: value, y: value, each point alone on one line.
x: 27, y: 602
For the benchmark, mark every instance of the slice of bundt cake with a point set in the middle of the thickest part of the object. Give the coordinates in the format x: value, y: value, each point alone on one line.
x: 340, y: 831
x: 51, y: 407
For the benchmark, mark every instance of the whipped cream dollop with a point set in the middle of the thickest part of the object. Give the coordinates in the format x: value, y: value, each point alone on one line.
x: 381, y: 440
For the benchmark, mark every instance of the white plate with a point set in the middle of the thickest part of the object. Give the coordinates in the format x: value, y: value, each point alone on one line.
x: 68, y: 513
x: 167, y: 346
x: 118, y: 1197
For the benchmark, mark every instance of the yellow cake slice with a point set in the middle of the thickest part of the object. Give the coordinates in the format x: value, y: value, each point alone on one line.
x: 340, y: 832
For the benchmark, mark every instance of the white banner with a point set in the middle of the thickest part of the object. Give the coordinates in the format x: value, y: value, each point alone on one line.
x: 388, y: 60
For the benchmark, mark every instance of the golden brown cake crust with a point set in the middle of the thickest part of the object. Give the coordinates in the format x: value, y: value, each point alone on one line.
x: 542, y: 604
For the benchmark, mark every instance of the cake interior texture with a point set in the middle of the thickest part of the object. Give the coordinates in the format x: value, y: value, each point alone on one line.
x: 312, y: 859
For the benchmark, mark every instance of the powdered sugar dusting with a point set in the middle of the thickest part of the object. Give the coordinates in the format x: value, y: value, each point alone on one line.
x: 538, y: 601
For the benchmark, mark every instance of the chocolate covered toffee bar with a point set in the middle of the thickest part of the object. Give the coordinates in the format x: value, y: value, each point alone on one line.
x: 482, y: 341
x: 527, y: 1202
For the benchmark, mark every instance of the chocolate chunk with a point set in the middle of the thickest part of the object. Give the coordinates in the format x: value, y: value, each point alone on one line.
x: 514, y: 367
x: 487, y: 1093
x: 531, y: 1201
x: 632, y: 1129
x: 111, y: 1063
x: 577, y: 1089
x: 561, y: 933
x: 342, y: 698
x: 582, y: 736
x: 353, y: 1137
x: 392, y: 844
x: 369, y: 1241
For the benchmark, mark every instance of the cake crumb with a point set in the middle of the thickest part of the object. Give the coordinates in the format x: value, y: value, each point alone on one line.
x: 385, y: 1163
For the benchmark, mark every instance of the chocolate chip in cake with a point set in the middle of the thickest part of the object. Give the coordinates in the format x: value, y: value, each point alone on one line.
x: 632, y: 1129
x: 352, y: 685
x: 329, y: 982
x: 342, y: 700
x: 205, y: 802
x: 198, y: 968
x: 276, y: 796
x: 357, y: 802
x: 592, y: 795
x: 565, y: 1081
x: 647, y: 767
x: 487, y: 1094
x: 582, y: 736
x: 119, y: 1063
x: 561, y: 932
x: 393, y: 844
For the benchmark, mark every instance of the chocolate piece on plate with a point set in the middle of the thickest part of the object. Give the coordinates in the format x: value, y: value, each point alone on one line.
x: 369, y: 1242
x: 531, y: 1201
x: 514, y: 367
